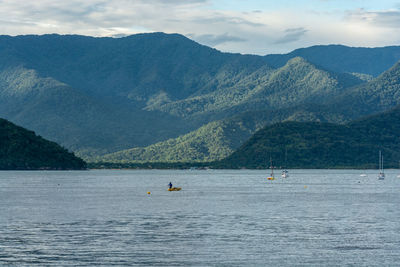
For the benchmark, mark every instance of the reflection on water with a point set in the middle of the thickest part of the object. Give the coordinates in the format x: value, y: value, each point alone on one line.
x: 220, y: 218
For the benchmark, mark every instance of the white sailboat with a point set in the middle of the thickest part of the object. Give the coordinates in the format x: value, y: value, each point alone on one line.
x: 285, y: 172
x: 381, y: 175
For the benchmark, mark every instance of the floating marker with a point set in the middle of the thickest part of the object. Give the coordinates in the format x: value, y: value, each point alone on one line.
x: 148, y: 193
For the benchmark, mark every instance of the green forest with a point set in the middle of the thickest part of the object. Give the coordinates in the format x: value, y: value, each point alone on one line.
x: 322, y: 145
x: 21, y: 149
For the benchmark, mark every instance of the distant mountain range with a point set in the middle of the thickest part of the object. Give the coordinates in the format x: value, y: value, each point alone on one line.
x: 343, y: 59
x: 163, y: 97
x: 21, y: 149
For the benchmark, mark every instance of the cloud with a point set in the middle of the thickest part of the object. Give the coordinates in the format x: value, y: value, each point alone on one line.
x: 291, y: 35
x: 218, y: 18
x: 213, y: 40
x: 389, y: 18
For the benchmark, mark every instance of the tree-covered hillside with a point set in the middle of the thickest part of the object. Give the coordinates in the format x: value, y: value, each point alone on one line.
x: 343, y: 59
x: 378, y: 95
x: 218, y: 139
x: 21, y: 149
x: 322, y: 145
x: 296, y: 83
x: 89, y: 94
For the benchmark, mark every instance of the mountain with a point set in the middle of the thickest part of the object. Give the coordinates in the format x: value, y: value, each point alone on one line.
x: 97, y: 96
x: 378, y: 95
x: 21, y: 149
x: 218, y: 139
x: 322, y: 145
x: 343, y: 59
x: 296, y: 83
x: 134, y: 68
x: 293, y: 92
x: 90, y: 94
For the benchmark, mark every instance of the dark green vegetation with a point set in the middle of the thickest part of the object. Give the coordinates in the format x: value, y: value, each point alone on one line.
x: 378, y: 95
x: 298, y: 82
x: 21, y: 149
x: 343, y: 59
x: 322, y: 145
x: 218, y: 139
x: 164, y: 98
x: 328, y: 103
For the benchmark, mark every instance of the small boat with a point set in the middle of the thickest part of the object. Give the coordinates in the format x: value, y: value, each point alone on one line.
x: 381, y: 175
x: 363, y: 175
x: 175, y: 189
x: 271, y: 177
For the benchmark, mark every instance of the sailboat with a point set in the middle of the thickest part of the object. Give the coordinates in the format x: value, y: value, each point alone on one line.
x: 271, y: 177
x: 285, y: 172
x: 381, y: 175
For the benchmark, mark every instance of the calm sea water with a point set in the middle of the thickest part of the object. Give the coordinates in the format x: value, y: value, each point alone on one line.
x: 220, y: 218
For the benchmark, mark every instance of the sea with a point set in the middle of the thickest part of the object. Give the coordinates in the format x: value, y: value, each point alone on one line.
x: 219, y: 218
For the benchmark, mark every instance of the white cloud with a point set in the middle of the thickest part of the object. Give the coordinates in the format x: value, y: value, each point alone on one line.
x: 291, y: 35
x: 385, y: 19
x: 213, y: 40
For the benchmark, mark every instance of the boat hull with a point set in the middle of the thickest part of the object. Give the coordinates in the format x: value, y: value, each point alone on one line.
x: 175, y: 189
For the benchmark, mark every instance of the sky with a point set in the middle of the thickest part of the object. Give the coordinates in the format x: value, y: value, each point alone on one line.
x: 238, y: 26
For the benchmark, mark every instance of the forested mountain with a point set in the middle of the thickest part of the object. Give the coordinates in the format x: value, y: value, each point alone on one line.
x: 218, y: 139
x: 89, y: 93
x: 343, y: 59
x: 97, y: 96
x: 296, y: 83
x: 76, y: 120
x: 382, y: 93
x: 322, y: 145
x: 21, y: 149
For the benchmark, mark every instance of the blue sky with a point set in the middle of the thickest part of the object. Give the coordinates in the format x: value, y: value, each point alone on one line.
x: 251, y: 27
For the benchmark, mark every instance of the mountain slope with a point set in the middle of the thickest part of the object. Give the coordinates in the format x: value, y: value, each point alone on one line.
x: 21, y: 149
x: 69, y: 116
x: 133, y: 68
x: 342, y: 59
x: 89, y: 93
x: 298, y: 82
x: 218, y: 139
x: 322, y: 145
x: 378, y: 95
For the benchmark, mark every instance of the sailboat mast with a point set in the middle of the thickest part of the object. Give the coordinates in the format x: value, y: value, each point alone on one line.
x: 285, y: 157
x: 272, y: 167
x: 381, y: 175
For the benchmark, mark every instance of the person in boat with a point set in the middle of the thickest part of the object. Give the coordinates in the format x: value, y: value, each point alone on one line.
x: 170, y: 185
